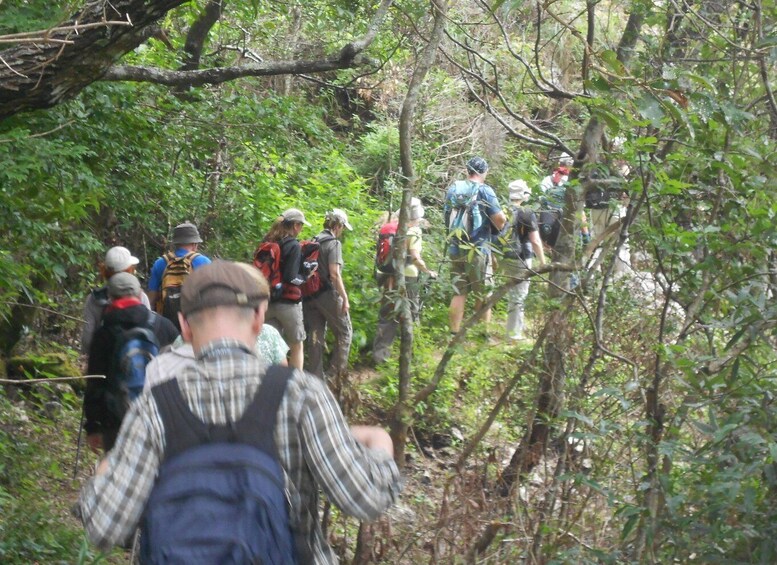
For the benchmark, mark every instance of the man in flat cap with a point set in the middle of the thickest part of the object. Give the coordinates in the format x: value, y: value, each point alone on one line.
x: 170, y: 270
x: 222, y: 311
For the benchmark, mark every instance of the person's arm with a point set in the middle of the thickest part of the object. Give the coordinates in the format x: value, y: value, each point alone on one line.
x: 95, y: 409
x: 493, y: 209
x: 337, y: 283
x: 362, y: 481
x: 111, y: 503
x: 536, y: 243
x: 92, y: 315
x: 415, y: 257
x: 499, y: 220
x: 155, y: 281
x: 153, y: 297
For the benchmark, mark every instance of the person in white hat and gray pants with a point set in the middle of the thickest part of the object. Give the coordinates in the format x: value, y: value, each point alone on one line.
x: 524, y: 241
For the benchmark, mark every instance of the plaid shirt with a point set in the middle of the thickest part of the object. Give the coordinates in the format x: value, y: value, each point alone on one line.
x: 315, y: 446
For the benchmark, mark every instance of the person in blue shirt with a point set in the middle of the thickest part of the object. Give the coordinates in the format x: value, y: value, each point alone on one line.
x: 471, y: 271
x: 170, y: 269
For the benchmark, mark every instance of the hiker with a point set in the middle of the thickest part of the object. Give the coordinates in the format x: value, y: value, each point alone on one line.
x: 606, y: 201
x: 523, y: 243
x: 118, y: 259
x: 285, y: 310
x: 552, y: 202
x: 414, y: 263
x: 472, y: 216
x: 170, y: 270
x: 269, y: 347
x: 222, y: 311
x: 330, y: 306
x: 105, y: 400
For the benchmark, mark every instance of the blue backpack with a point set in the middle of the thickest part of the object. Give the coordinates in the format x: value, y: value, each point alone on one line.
x: 133, y: 350
x: 464, y: 217
x: 220, y: 495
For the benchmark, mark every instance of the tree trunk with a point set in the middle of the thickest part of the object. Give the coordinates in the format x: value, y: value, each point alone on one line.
x: 402, y: 413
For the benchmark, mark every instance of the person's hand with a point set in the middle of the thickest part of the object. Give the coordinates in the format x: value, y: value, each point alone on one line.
x: 432, y: 274
x: 95, y: 442
x: 346, y: 305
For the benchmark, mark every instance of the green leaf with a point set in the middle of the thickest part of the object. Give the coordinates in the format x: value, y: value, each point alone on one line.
x: 610, y: 59
x: 650, y: 109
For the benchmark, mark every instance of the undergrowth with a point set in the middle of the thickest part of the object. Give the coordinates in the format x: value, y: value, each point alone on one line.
x: 36, y: 486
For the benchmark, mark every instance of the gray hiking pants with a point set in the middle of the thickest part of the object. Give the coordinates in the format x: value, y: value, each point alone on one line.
x: 516, y: 297
x: 388, y: 320
x: 319, y: 312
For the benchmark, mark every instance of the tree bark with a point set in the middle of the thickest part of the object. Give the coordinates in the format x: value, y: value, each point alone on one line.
x: 198, y: 34
x: 38, y: 75
x: 41, y: 75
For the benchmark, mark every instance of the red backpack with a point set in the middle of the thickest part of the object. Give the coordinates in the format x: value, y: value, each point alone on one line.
x: 384, y: 261
x: 313, y: 284
x: 267, y: 258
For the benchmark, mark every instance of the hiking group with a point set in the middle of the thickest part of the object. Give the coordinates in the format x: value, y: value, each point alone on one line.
x: 216, y: 442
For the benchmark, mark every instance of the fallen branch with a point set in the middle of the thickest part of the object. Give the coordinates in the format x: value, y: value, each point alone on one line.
x: 52, y: 379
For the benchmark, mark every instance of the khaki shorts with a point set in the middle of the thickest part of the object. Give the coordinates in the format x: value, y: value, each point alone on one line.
x: 287, y: 319
x: 472, y: 272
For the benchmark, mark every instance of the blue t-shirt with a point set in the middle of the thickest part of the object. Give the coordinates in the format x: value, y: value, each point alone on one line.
x: 155, y: 280
x: 488, y: 206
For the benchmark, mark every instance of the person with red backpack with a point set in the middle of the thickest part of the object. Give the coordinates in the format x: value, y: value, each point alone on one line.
x: 388, y: 323
x: 170, y: 270
x: 329, y: 306
x: 279, y: 257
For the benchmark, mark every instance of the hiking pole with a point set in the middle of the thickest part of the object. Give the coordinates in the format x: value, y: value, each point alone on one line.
x: 78, y: 442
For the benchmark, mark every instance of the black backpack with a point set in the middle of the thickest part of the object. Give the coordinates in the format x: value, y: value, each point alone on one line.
x: 515, y: 236
x: 220, y: 494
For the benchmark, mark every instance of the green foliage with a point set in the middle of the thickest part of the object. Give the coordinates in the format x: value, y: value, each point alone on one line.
x: 30, y: 480
x: 24, y: 16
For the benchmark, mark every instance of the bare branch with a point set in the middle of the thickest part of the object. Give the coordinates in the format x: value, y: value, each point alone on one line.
x: 43, y: 74
x: 224, y: 74
x: 41, y: 134
x: 44, y: 36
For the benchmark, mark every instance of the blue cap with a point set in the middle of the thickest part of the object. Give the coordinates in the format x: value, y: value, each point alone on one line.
x: 477, y: 165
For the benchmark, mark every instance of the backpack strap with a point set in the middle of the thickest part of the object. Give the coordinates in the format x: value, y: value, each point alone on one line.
x: 323, y: 239
x: 256, y: 427
x: 262, y: 413
x: 188, y: 259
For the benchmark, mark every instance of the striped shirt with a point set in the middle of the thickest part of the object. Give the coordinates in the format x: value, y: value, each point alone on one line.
x: 315, y: 446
